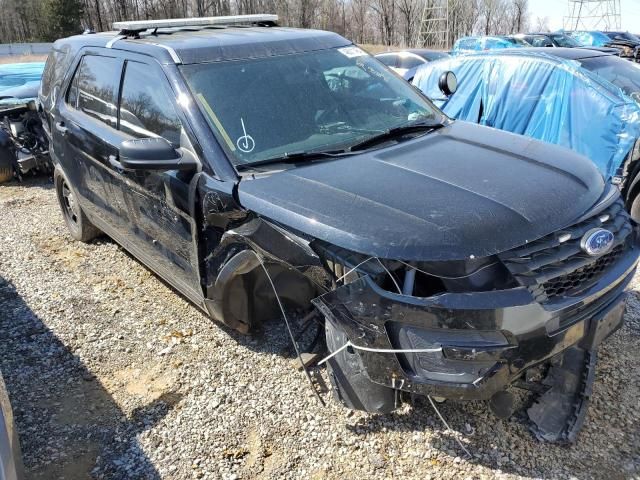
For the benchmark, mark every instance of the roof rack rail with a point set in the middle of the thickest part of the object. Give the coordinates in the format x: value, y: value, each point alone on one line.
x: 139, y: 26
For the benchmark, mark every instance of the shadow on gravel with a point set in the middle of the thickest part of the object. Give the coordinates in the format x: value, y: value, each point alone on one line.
x: 69, y: 425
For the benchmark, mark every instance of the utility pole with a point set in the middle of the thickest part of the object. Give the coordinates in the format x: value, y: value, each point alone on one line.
x: 434, y: 25
x: 593, y: 15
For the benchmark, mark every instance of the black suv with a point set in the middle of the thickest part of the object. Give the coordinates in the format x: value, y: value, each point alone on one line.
x: 444, y: 258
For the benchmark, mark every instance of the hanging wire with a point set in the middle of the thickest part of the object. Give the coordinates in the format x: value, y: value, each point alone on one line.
x: 286, y: 321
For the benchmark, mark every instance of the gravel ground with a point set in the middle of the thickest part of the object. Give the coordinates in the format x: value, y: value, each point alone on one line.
x: 114, y: 375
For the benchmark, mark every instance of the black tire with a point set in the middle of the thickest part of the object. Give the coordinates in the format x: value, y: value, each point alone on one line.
x: 351, y: 384
x: 79, y: 226
x: 6, y: 174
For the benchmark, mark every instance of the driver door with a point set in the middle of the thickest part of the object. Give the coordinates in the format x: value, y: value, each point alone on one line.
x: 159, y: 205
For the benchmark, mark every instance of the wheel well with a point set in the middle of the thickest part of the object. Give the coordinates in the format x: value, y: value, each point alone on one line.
x: 243, y: 297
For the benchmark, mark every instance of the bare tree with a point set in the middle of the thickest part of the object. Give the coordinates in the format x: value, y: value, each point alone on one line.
x: 388, y: 22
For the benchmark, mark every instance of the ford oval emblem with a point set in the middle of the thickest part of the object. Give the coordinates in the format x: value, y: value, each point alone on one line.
x: 597, y: 241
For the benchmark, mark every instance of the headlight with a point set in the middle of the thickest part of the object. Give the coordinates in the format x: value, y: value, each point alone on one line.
x: 466, y: 354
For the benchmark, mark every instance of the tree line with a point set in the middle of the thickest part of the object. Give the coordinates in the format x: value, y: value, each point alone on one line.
x: 387, y: 22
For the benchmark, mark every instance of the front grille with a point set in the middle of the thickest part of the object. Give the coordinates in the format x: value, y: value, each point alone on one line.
x: 556, y: 265
x: 579, y: 279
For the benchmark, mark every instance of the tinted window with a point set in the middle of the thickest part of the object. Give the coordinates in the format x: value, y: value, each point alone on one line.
x: 410, y: 61
x: 389, y: 60
x: 98, y: 79
x: 622, y: 73
x: 564, y: 41
x: 326, y: 100
x: 146, y: 108
x: 539, y: 41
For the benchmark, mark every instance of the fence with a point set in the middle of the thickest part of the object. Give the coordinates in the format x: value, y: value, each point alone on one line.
x: 8, y: 49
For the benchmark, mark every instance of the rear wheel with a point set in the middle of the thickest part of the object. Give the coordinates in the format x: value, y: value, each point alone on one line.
x: 79, y: 226
x: 6, y: 174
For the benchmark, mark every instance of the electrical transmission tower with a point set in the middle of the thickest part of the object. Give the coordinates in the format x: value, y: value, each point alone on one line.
x: 593, y: 15
x: 434, y: 25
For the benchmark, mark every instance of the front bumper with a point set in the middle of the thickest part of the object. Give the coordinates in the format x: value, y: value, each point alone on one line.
x: 488, y: 338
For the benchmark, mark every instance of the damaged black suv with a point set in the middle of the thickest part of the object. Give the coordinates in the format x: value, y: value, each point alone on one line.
x: 444, y: 259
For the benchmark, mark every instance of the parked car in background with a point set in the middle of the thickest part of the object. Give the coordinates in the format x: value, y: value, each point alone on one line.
x: 557, y: 39
x: 626, y: 48
x: 628, y: 43
x: 405, y: 62
x: 549, y: 40
x: 547, y: 96
x: 23, y: 145
x: 477, y: 44
x: 590, y: 38
x: 11, y: 467
x: 270, y: 167
x: 515, y: 40
x: 20, y: 81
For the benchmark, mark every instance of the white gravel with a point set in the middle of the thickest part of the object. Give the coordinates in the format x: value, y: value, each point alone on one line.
x: 114, y: 375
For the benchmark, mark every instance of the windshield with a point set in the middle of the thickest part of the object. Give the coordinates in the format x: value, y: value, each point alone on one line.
x: 564, y: 41
x: 622, y: 73
x: 326, y: 100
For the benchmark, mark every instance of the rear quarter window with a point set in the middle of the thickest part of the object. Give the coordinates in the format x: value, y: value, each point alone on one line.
x: 58, y: 63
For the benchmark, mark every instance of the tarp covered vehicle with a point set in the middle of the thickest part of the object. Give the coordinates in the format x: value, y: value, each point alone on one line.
x: 543, y: 96
x: 478, y: 44
x: 23, y: 146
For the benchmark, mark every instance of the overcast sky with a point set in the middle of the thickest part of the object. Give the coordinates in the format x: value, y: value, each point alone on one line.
x: 555, y: 10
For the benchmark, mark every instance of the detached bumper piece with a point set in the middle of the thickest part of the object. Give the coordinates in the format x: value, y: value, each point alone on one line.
x: 559, y: 413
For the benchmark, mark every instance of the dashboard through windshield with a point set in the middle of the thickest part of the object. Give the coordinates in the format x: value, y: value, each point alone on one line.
x: 324, y: 100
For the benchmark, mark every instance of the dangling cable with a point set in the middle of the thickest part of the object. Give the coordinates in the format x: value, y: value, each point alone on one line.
x: 449, y: 429
x: 286, y: 321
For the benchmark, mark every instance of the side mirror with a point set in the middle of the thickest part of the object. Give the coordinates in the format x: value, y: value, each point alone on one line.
x: 152, y: 154
x: 448, y: 83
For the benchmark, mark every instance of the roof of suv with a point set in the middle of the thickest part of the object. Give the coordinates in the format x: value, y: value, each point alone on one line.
x: 213, y: 44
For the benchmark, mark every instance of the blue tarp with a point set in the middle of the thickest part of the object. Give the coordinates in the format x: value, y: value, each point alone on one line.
x: 590, y: 39
x: 478, y: 44
x: 20, y: 80
x: 540, y: 96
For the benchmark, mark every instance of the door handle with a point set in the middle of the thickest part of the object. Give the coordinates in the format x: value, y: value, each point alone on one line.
x: 113, y: 161
x: 61, y: 128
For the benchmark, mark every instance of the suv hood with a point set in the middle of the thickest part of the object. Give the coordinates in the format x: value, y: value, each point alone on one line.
x: 461, y: 191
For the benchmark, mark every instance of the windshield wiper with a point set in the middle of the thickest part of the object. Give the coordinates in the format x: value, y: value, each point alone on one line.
x: 295, y: 157
x: 396, y: 132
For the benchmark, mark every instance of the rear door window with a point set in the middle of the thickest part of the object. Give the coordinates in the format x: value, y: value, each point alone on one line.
x: 147, y: 107
x: 94, y: 90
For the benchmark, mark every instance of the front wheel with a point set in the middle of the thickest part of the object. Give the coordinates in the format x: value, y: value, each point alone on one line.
x: 80, y: 227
